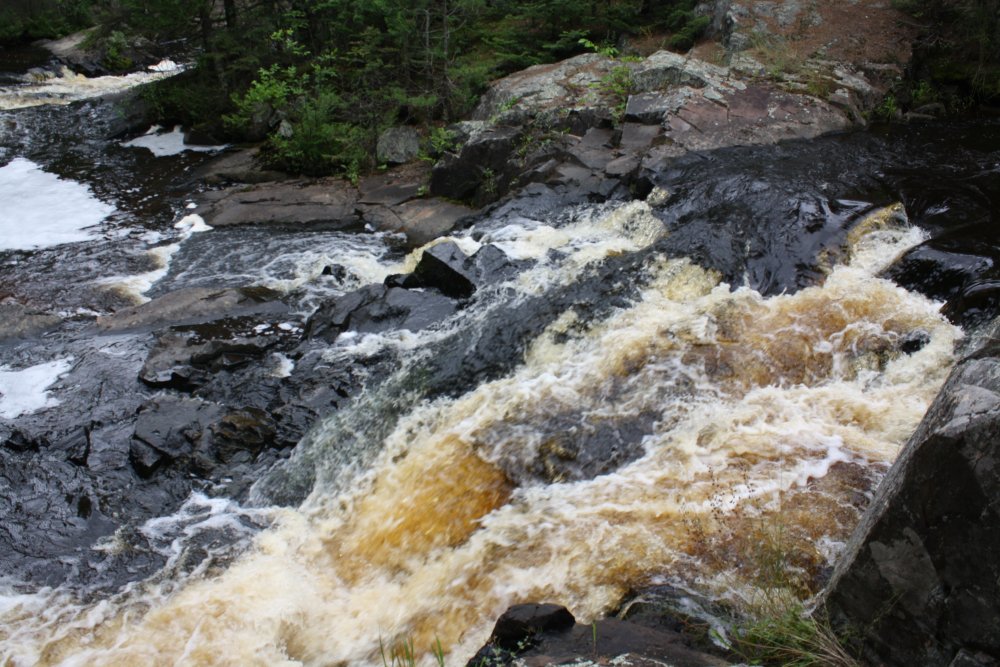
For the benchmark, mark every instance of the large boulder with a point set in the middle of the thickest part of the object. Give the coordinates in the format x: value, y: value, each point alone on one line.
x: 444, y: 267
x: 920, y: 578
x: 329, y: 202
x: 475, y: 173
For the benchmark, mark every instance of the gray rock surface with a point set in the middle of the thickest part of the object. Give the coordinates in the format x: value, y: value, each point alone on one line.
x: 191, y: 305
x: 419, y: 220
x: 377, y: 308
x: 920, y: 579
x: 330, y: 202
x: 397, y: 145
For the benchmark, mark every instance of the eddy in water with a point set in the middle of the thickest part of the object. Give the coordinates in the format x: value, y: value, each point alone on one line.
x: 717, y: 409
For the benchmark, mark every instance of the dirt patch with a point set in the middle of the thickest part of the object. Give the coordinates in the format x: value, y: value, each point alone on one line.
x: 858, y: 31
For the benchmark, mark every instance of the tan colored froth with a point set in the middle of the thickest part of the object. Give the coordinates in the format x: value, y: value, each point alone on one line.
x: 432, y: 497
x: 756, y: 428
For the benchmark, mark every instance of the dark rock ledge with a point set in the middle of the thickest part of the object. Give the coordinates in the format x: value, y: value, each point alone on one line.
x: 538, y: 635
x: 920, y: 580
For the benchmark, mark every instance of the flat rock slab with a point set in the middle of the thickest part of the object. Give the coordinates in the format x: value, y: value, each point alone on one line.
x: 193, y: 305
x: 19, y: 320
x: 328, y: 202
x: 756, y: 115
x: 238, y: 166
x: 420, y: 220
x: 396, y: 186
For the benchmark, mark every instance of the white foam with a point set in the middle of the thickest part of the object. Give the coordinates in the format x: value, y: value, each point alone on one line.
x: 161, y: 143
x: 41, y: 210
x: 284, y: 366
x: 70, y: 87
x: 165, y: 65
x: 25, y: 391
x: 192, y: 223
x: 136, y: 286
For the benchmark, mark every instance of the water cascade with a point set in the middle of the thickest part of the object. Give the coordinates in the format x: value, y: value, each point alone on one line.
x: 662, y: 419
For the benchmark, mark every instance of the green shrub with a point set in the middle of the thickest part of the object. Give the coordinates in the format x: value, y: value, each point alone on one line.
x: 317, y: 144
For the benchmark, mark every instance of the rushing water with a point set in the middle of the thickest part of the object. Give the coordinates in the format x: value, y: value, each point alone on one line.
x: 688, y: 374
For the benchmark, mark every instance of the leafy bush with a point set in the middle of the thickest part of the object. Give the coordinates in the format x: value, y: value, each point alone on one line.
x: 314, y: 143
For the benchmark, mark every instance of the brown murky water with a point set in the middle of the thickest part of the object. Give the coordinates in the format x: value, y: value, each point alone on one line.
x: 760, y: 415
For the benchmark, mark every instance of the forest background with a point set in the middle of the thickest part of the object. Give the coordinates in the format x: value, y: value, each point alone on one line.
x: 318, y: 80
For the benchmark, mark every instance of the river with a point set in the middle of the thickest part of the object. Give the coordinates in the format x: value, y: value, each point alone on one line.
x: 652, y: 391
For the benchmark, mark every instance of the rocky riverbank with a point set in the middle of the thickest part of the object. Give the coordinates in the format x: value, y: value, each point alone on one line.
x: 223, y: 382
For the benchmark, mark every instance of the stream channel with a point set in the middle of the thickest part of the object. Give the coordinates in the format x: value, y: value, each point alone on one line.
x: 634, y: 392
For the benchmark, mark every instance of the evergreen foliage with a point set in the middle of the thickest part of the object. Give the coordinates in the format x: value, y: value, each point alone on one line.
x: 35, y: 19
x: 958, y: 60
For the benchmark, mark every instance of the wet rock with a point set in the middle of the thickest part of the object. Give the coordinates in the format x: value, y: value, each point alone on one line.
x: 23, y: 440
x: 919, y: 580
x: 19, y: 321
x: 477, y: 173
x: 960, y: 278
x: 240, y: 435
x: 667, y: 607
x: 519, y: 625
x: 329, y: 202
x: 378, y: 308
x: 168, y: 428
x: 397, y: 145
x: 50, y: 514
x: 194, y: 305
x: 184, y: 357
x: 446, y: 268
x: 420, y: 220
x: 541, y: 635
x: 76, y: 445
x: 572, y: 451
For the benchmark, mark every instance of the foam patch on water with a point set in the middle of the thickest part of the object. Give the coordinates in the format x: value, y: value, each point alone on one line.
x: 136, y: 286
x: 171, y: 142
x: 42, y: 210
x: 26, y: 391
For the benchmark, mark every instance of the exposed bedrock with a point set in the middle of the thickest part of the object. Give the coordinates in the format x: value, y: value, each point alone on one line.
x: 920, y: 578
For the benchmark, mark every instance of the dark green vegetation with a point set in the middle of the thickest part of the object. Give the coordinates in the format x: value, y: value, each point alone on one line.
x: 957, y: 62
x: 34, y: 19
x: 320, y: 79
